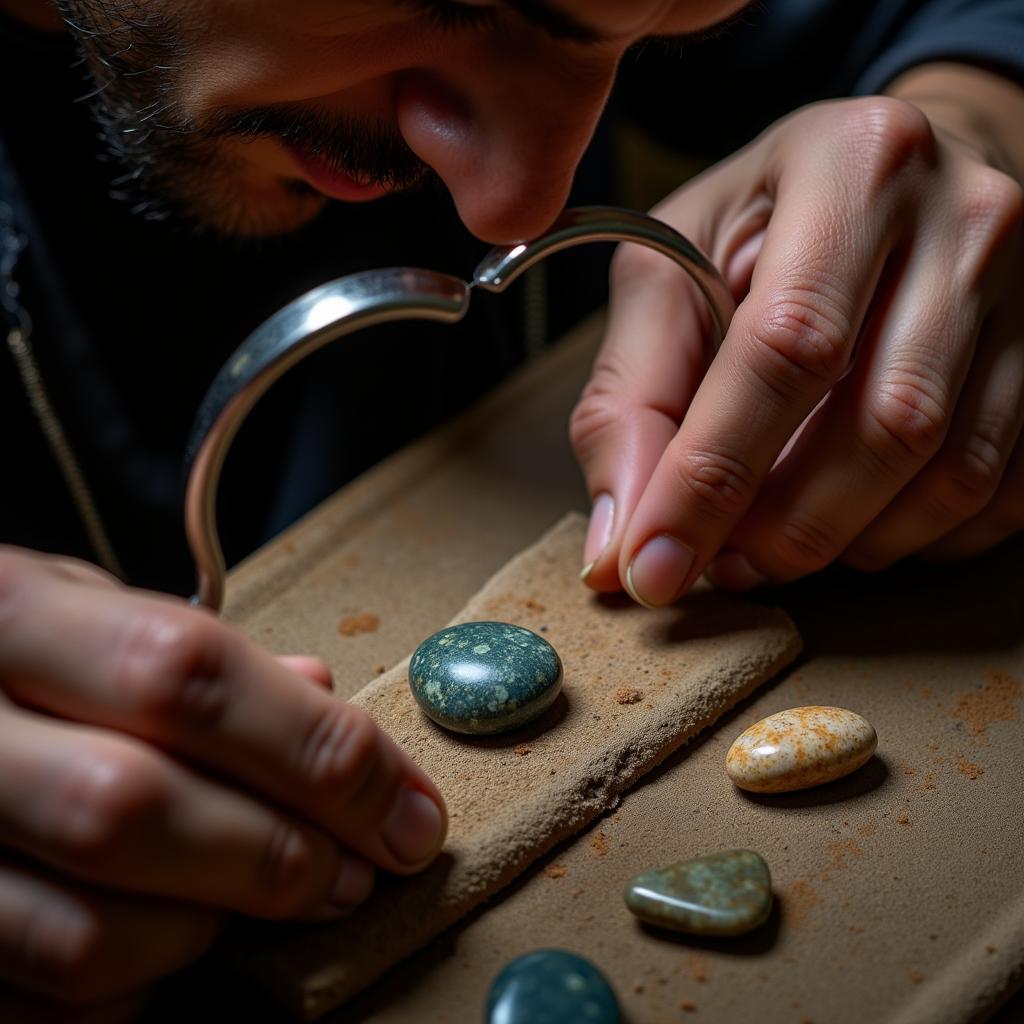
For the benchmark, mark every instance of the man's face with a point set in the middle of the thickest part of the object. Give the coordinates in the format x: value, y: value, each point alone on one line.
x: 247, y: 115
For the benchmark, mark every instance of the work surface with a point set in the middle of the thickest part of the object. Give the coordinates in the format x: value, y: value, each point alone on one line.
x: 900, y: 890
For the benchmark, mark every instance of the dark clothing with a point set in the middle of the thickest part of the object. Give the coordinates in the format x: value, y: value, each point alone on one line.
x: 133, y: 317
x: 714, y: 95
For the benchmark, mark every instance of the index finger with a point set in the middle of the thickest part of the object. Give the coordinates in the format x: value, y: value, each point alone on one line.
x: 156, y: 669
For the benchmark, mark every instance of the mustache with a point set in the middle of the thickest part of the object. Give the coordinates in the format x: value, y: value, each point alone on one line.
x: 366, y: 150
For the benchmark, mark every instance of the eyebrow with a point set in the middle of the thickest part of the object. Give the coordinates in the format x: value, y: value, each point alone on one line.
x: 555, y: 22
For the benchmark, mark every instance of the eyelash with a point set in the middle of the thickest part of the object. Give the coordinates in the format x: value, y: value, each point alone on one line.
x: 449, y: 16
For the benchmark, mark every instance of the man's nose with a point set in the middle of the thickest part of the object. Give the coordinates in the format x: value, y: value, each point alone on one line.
x: 506, y: 146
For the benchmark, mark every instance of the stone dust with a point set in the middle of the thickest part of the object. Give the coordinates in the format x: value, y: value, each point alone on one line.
x: 843, y: 850
x: 628, y: 695
x: 798, y: 899
x: 364, y: 622
x: 698, y: 968
x: 996, y: 701
x: 969, y: 769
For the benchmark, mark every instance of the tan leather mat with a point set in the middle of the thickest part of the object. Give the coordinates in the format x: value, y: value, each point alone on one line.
x: 638, y: 685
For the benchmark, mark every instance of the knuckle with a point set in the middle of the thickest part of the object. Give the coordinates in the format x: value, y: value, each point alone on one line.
x: 340, y: 752
x: 168, y: 667
x: 995, y: 199
x: 288, y: 868
x: 891, y: 136
x: 802, y: 546
x: 906, y: 422
x: 966, y: 481
x: 594, y: 416
x: 722, y: 485
x: 1007, y: 508
x: 99, y: 803
x: 69, y: 944
x: 800, y: 337
x: 991, y: 212
x: 864, y: 558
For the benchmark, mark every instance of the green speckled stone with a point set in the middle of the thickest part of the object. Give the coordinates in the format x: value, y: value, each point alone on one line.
x: 551, y: 986
x: 722, y: 894
x: 485, y: 677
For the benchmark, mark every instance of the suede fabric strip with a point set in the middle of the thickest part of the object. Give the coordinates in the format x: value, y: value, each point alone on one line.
x: 638, y: 685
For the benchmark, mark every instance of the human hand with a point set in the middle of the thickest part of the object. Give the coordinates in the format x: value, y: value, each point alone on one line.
x: 868, y: 400
x: 158, y: 770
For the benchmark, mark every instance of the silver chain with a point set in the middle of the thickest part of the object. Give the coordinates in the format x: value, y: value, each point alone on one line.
x: 19, y: 343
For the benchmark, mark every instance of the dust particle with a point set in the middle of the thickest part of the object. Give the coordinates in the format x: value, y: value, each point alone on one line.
x: 522, y: 750
x: 928, y: 784
x: 969, y: 769
x: 628, y: 695
x: 534, y: 606
x: 688, y: 1006
x: 843, y: 850
x: 907, y: 769
x: 916, y: 977
x: 288, y: 547
x: 698, y: 968
x: 990, y: 950
x: 638, y: 989
x: 364, y: 622
x: 868, y: 828
x: 556, y: 870
x: 599, y: 843
x: 798, y: 899
x: 994, y: 702
x: 380, y: 669
x: 904, y: 818
x: 855, y: 929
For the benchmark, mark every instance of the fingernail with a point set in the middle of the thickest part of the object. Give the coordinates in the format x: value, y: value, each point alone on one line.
x: 658, y: 572
x: 731, y: 571
x: 599, y: 532
x: 414, y: 829
x: 352, y: 887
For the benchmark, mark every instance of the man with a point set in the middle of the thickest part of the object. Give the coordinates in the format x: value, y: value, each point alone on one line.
x: 156, y: 769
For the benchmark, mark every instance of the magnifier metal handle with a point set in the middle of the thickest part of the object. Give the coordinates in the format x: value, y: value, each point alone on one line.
x: 374, y: 297
x: 585, y: 224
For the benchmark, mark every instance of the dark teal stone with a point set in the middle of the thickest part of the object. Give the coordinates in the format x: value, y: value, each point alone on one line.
x: 721, y: 894
x: 551, y: 986
x: 485, y: 677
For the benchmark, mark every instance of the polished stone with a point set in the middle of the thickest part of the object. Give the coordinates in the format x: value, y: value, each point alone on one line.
x: 551, y: 986
x: 485, y: 677
x: 799, y: 748
x: 721, y: 894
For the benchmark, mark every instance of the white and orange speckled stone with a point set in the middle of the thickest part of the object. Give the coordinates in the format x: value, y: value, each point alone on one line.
x: 799, y: 748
